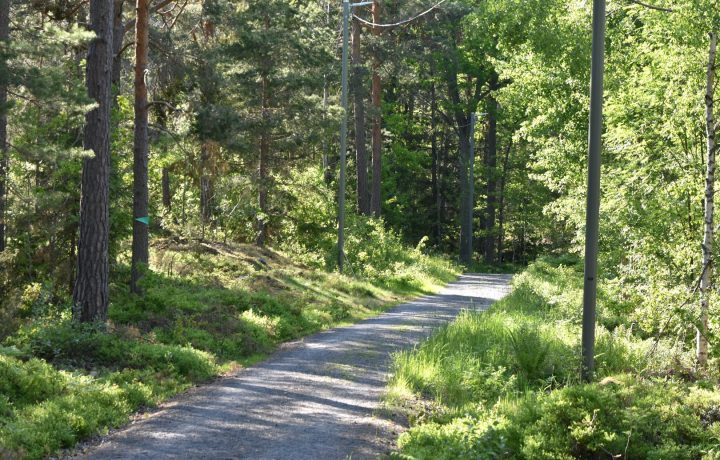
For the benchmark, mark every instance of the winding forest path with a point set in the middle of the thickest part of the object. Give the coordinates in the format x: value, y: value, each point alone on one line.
x: 314, y: 399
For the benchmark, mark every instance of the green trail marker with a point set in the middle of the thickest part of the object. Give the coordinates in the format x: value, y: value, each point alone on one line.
x: 145, y: 220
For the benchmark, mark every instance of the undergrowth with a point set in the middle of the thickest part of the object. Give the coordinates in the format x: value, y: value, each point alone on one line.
x: 207, y: 309
x: 504, y: 383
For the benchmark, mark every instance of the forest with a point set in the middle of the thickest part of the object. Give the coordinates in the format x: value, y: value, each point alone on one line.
x: 187, y: 185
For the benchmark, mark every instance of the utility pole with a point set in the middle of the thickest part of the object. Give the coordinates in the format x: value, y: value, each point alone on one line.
x: 593, y: 196
x: 347, y: 10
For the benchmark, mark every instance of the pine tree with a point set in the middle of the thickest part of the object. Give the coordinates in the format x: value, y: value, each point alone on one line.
x: 91, y: 293
x: 140, y: 250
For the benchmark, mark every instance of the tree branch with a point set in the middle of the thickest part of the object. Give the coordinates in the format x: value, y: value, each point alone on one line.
x: 652, y: 7
x: 165, y: 103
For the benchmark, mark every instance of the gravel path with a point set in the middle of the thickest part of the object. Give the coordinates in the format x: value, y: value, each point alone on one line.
x: 314, y: 399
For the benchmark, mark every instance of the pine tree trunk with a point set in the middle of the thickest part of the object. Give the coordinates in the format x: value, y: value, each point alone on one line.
x: 206, y: 184
x: 707, y: 247
x: 166, y: 190
x: 262, y: 230
x: 361, y: 160
x: 118, y: 35
x: 491, y: 191
x: 326, y: 164
x: 90, y: 296
x: 465, y: 138
x: 435, y: 162
x: 375, y: 193
x: 466, y: 198
x: 140, y: 251
x: 4, y: 161
x: 501, y: 202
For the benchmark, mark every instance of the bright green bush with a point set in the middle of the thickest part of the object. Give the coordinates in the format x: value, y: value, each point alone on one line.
x: 504, y: 384
x: 205, y: 308
x: 372, y: 251
x: 622, y: 418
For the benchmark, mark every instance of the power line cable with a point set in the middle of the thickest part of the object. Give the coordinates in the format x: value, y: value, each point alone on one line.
x: 400, y: 23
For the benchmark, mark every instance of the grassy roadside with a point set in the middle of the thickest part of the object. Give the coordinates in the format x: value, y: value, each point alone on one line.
x: 207, y: 309
x: 503, y: 384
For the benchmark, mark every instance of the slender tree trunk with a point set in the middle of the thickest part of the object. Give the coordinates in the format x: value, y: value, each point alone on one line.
x: 435, y: 162
x: 463, y: 123
x: 207, y: 191
x: 263, y: 178
x: 4, y: 161
x: 90, y: 296
x: 166, y: 190
x: 490, y: 171
x: 501, y: 202
x: 376, y: 198
x: 140, y: 251
x: 466, y: 199
x: 118, y: 36
x: 707, y: 247
x: 361, y: 160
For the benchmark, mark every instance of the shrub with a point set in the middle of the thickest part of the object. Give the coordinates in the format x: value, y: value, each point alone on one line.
x: 504, y: 384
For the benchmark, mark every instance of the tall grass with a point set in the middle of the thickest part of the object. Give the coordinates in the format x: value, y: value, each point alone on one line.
x: 504, y: 383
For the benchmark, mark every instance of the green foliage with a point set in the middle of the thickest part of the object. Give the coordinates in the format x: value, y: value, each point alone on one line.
x: 372, y: 250
x: 505, y: 383
x: 206, y: 308
x: 623, y: 417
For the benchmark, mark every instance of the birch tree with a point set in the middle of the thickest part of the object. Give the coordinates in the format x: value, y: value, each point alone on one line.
x: 708, y: 236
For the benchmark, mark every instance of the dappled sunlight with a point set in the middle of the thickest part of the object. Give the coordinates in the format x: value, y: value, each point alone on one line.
x: 317, y: 399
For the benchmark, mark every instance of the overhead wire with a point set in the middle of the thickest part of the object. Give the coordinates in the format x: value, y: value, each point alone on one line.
x: 400, y: 23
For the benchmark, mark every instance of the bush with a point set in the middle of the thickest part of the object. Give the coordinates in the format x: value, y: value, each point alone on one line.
x: 504, y: 384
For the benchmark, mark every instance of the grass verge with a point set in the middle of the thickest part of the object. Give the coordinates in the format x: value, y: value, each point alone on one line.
x: 207, y: 309
x: 503, y: 384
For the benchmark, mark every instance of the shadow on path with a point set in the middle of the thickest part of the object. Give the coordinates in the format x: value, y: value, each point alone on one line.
x: 314, y: 400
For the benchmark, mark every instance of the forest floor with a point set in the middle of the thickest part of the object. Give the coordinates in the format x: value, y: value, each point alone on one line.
x: 209, y: 309
x: 315, y: 398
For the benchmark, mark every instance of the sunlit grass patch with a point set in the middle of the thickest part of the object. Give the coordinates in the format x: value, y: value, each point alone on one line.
x: 505, y: 384
x: 208, y: 309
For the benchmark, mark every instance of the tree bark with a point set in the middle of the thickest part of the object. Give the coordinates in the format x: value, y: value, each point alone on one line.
x: 706, y: 280
x: 328, y: 172
x: 263, y: 178
x: 376, y: 192
x: 140, y: 251
x: 501, y: 202
x: 166, y: 190
x: 463, y: 121
x: 491, y: 180
x: 435, y: 163
x: 361, y: 159
x: 466, y: 199
x: 118, y: 36
x: 90, y: 296
x: 207, y: 187
x: 4, y: 161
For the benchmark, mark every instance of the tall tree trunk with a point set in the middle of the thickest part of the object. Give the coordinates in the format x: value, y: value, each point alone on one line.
x: 207, y: 187
x: 707, y: 247
x: 361, y: 160
x: 118, y: 36
x: 466, y: 198
x: 90, y: 296
x: 263, y: 178
x: 326, y: 165
x: 435, y: 162
x: 491, y: 180
x: 166, y: 190
x: 501, y: 201
x: 463, y: 123
x: 140, y: 251
x: 376, y: 198
x: 4, y: 38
